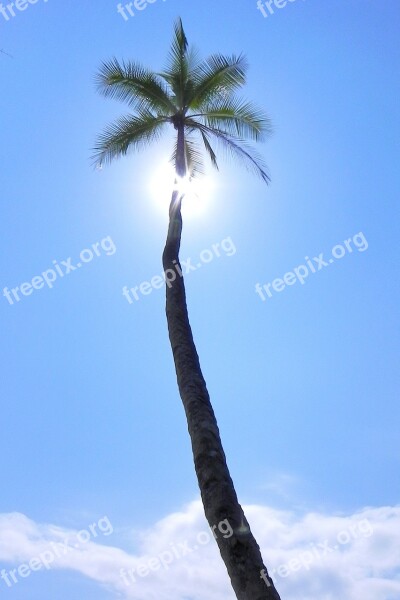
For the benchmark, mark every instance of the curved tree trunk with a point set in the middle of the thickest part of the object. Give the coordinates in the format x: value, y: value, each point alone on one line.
x: 240, y: 551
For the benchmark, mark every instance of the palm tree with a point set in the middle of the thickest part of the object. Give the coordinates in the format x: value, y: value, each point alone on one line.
x: 198, y: 99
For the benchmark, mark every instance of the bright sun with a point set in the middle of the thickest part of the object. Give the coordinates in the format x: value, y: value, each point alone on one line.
x: 197, y: 191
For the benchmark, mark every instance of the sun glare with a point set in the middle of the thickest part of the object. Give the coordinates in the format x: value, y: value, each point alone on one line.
x: 197, y: 191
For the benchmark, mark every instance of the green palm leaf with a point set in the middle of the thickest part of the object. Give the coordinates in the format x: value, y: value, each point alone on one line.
x: 216, y: 77
x: 238, y: 117
x: 176, y: 73
x: 237, y: 148
x: 130, y: 82
x: 127, y: 134
x: 209, y: 150
x: 193, y: 157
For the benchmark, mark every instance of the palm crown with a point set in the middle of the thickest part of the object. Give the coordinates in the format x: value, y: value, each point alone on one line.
x: 197, y: 97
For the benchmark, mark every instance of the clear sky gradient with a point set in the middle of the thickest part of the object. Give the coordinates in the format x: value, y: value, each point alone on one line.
x: 304, y: 383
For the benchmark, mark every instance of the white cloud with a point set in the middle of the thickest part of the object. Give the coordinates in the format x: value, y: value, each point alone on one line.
x: 312, y: 555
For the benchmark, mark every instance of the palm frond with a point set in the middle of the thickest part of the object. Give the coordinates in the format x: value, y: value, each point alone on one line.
x: 127, y: 133
x: 193, y: 157
x: 218, y: 76
x: 237, y: 117
x: 177, y: 70
x: 130, y: 82
x: 236, y: 147
x: 209, y: 150
x: 179, y: 47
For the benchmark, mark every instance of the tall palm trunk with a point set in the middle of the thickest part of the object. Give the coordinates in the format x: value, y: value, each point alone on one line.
x: 240, y: 552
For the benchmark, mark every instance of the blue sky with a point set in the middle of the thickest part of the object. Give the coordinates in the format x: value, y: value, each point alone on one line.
x: 304, y: 383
